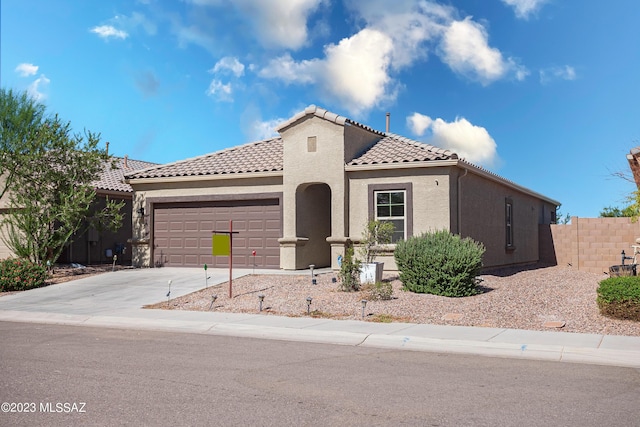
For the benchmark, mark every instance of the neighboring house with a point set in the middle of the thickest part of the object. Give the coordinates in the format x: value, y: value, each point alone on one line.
x: 93, y: 246
x: 98, y: 247
x: 298, y: 199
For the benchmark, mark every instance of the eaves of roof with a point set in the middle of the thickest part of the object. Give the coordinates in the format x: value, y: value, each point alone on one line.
x: 459, y: 163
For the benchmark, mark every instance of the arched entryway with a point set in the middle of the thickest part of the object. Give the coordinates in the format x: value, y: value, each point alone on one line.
x: 313, y: 221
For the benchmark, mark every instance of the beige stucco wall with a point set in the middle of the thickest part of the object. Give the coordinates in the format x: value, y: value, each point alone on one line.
x: 5, y: 252
x: 482, y: 217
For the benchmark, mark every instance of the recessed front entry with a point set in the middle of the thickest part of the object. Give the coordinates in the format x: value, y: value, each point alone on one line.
x: 313, y: 221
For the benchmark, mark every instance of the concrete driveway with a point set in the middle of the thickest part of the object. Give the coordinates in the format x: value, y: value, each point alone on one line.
x: 115, y: 292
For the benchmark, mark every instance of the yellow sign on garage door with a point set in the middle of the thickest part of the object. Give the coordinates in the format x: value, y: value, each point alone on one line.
x: 220, y: 244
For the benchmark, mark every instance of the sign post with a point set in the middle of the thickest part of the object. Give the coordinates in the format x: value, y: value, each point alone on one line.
x: 222, y: 245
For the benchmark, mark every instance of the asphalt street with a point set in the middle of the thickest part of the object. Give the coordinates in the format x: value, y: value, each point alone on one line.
x: 139, y: 377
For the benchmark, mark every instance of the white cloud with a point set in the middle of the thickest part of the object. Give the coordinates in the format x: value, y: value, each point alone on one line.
x: 228, y: 63
x: 557, y: 73
x: 525, y: 8
x: 26, y: 69
x: 220, y: 91
x: 408, y: 23
x: 465, y: 49
x: 108, y: 31
x: 36, y: 89
x: 419, y: 123
x: 253, y: 125
x: 285, y: 68
x: 469, y: 141
x: 355, y: 72
x: 281, y: 23
x: 260, y: 130
x: 277, y: 23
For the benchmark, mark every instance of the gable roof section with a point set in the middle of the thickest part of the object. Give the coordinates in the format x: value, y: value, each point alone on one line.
x: 398, y: 149
x: 313, y: 110
x: 113, y: 179
x: 261, y: 156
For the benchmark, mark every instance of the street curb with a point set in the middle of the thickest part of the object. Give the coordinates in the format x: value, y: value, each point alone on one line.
x: 556, y: 353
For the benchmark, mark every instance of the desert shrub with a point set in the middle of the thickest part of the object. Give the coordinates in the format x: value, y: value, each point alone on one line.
x: 619, y: 297
x: 349, y: 272
x: 439, y: 263
x: 20, y: 275
x: 378, y: 291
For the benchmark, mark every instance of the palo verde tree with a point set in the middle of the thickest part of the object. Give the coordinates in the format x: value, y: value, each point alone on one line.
x: 49, y: 192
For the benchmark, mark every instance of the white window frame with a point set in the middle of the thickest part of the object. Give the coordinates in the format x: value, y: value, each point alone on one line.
x: 390, y: 218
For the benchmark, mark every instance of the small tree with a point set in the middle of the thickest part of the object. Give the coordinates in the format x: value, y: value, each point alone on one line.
x: 375, y: 233
x: 19, y: 116
x: 51, y: 191
x: 349, y: 271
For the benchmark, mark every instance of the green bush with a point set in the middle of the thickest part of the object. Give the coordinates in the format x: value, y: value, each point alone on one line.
x: 619, y: 297
x: 378, y: 291
x: 20, y: 275
x: 349, y: 272
x: 440, y: 263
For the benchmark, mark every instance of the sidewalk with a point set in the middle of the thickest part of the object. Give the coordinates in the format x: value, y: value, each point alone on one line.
x: 113, y: 300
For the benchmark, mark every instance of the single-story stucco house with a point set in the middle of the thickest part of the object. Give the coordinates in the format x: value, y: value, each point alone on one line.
x: 299, y: 198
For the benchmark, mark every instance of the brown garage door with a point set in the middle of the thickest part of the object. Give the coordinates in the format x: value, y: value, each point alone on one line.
x: 182, y: 233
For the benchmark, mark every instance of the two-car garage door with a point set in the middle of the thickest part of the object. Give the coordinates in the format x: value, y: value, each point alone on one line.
x: 182, y: 233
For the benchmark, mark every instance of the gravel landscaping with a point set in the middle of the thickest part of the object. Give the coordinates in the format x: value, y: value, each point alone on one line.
x: 535, y: 298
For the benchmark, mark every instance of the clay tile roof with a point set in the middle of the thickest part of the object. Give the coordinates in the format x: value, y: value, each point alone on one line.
x: 261, y: 156
x: 398, y: 149
x: 113, y: 179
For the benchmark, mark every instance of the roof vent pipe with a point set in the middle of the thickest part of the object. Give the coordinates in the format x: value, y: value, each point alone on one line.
x: 388, y: 120
x: 107, y: 148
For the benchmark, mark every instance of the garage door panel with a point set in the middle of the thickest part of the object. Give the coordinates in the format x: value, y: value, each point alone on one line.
x: 182, y: 233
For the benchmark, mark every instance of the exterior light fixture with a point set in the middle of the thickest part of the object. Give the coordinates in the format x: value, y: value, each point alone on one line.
x: 261, y: 299
x: 364, y: 305
x: 140, y: 211
x: 309, y: 305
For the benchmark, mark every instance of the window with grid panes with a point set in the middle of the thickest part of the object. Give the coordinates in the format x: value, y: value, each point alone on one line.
x: 390, y: 206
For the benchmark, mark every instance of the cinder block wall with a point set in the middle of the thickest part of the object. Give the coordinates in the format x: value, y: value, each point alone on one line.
x: 589, y: 244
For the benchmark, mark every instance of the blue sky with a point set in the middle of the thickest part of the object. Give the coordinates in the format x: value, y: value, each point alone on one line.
x: 545, y: 93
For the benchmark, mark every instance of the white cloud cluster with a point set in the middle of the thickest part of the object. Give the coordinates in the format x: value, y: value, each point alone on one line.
x: 220, y: 91
x: 525, y: 8
x: 354, y: 72
x: 566, y: 72
x: 37, y: 88
x: 466, y: 50
x: 279, y: 23
x: 26, y: 69
x: 469, y: 141
x: 224, y: 91
x: 358, y: 71
x: 108, y: 31
x: 228, y: 64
